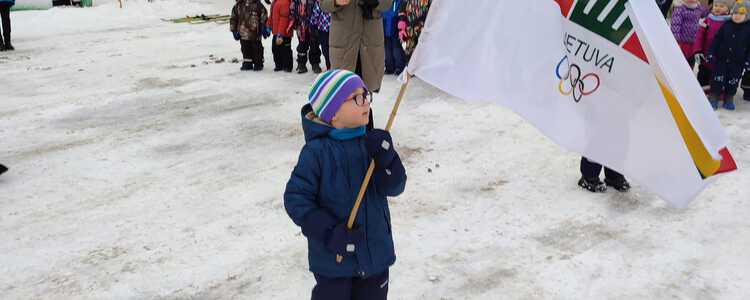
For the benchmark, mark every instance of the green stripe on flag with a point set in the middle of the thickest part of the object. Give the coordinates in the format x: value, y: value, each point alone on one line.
x: 606, y: 18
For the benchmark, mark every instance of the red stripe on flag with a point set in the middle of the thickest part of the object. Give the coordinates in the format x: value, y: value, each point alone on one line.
x: 633, y: 45
x: 565, y: 6
x: 727, y: 162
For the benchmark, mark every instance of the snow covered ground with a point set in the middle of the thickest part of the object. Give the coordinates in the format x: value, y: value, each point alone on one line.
x: 140, y: 172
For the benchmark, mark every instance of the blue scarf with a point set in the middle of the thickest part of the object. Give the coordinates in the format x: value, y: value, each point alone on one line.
x: 719, y: 18
x: 347, y: 133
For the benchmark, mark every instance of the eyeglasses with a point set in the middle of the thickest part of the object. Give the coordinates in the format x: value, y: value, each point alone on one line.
x: 362, y: 99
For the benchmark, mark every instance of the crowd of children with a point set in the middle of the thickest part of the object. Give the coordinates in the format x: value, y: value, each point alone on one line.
x: 251, y: 21
x: 718, y: 41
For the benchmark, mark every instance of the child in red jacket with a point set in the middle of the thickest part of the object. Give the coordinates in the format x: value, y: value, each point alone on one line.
x: 280, y: 24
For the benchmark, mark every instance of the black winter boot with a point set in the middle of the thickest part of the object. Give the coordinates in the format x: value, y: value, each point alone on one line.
x: 316, y: 69
x: 246, y: 66
x: 301, y: 69
x: 6, y: 40
x: 620, y: 185
x: 593, y: 185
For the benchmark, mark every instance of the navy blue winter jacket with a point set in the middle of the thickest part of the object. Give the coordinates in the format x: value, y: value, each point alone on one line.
x: 321, y: 193
x: 12, y: 2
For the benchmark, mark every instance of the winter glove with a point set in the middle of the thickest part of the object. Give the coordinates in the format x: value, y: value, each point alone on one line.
x: 402, y: 30
x: 391, y: 181
x: 236, y: 35
x: 344, y: 241
x: 266, y: 32
x: 380, y: 147
x: 699, y: 58
x: 279, y: 40
x: 709, y: 57
x: 368, y: 8
x: 317, y: 225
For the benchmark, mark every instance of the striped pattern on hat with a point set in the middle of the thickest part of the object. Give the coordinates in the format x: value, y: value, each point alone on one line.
x: 330, y: 91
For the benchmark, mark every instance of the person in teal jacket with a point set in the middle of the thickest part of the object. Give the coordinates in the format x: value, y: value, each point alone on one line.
x: 5, y: 6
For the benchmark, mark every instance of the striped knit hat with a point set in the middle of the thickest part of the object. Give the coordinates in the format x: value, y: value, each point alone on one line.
x: 331, y: 90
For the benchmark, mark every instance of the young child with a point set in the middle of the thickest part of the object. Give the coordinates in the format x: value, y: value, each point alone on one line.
x: 324, y: 185
x: 394, y: 53
x: 282, y: 35
x: 412, y: 16
x: 248, y: 25
x: 302, y: 13
x: 706, y: 33
x: 321, y: 23
x: 685, y: 24
x: 730, y: 52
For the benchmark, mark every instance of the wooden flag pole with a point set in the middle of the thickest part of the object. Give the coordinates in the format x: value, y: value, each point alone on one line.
x: 371, y: 169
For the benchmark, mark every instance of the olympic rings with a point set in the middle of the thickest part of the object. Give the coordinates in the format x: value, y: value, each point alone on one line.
x: 574, y: 81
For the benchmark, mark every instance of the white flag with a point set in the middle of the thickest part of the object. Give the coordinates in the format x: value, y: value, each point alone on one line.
x: 603, y: 78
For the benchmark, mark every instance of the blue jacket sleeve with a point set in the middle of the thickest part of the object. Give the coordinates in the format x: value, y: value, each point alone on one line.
x: 391, y: 181
x: 300, y: 198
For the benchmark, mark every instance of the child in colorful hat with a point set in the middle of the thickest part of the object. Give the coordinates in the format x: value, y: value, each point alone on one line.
x: 324, y: 185
x: 730, y: 52
x: 709, y: 26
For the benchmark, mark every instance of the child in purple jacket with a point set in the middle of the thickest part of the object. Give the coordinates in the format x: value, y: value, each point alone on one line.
x: 685, y: 24
x: 706, y: 33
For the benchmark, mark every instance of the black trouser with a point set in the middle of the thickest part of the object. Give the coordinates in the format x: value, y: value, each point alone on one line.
x: 282, y: 54
x: 746, y: 86
x: 726, y: 82
x: 252, y: 52
x: 314, y: 45
x: 322, y: 41
x: 308, y: 48
x: 394, y: 54
x: 590, y: 169
x: 5, y: 16
x: 704, y: 76
x: 370, y: 288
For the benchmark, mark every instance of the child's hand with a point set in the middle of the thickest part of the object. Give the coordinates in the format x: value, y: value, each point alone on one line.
x: 702, y: 23
x: 402, y: 30
x: 342, y: 2
x: 266, y: 32
x: 699, y: 57
x: 344, y: 241
x: 236, y: 35
x: 380, y: 147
